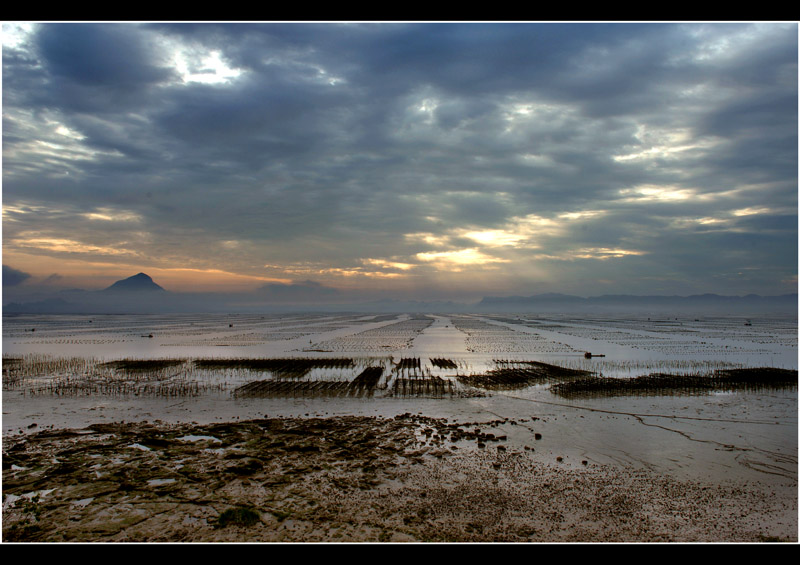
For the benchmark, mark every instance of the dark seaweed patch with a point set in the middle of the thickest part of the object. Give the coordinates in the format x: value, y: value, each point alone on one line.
x: 277, y: 388
x: 242, y: 516
x: 280, y: 367
x: 727, y: 380
x: 424, y: 386
x: 443, y: 363
x: 142, y: 365
x: 367, y: 380
x: 532, y: 373
x: 409, y: 363
x: 363, y: 385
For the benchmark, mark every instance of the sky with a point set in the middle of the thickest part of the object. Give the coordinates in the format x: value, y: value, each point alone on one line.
x: 427, y: 161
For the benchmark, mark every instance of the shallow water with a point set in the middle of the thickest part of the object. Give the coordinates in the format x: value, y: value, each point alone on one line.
x: 751, y: 436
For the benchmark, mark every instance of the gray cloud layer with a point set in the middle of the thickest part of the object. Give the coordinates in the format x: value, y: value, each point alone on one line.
x: 441, y: 160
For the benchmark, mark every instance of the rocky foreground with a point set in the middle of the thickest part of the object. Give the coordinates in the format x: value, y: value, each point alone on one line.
x: 409, y: 478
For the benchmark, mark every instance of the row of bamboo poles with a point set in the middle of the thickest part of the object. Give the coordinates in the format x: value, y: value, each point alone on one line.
x: 40, y: 375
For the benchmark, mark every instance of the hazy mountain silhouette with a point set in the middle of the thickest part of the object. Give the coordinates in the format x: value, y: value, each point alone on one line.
x: 553, y: 302
x: 136, y: 283
x: 140, y: 294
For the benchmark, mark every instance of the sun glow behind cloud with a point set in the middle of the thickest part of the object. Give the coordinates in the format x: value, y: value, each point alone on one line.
x: 13, y: 213
x: 389, y: 264
x: 63, y: 245
x: 111, y: 215
x: 654, y: 193
x: 195, y: 66
x: 666, y: 144
x: 752, y: 211
x: 604, y: 253
x: 459, y: 259
x: 496, y: 238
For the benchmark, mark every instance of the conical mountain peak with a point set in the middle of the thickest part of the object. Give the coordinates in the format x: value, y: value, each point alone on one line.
x: 139, y: 282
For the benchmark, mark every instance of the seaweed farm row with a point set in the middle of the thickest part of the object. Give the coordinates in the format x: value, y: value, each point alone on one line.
x: 531, y: 373
x: 363, y: 385
x: 294, y: 368
x: 687, y: 337
x: 392, y: 337
x: 366, y: 384
x: 559, y: 339
x: 484, y: 337
x: 757, y: 379
x: 355, y: 377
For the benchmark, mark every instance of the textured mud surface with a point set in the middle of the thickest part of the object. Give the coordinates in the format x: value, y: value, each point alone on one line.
x: 409, y: 478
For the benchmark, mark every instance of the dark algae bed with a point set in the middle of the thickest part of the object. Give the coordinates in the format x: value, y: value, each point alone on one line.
x: 725, y: 380
x: 186, y: 482
x: 351, y: 478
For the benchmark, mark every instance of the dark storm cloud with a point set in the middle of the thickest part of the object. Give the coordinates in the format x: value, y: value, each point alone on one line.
x: 254, y: 124
x: 752, y: 114
x: 98, y: 55
x: 476, y: 58
x: 336, y: 144
x: 97, y: 68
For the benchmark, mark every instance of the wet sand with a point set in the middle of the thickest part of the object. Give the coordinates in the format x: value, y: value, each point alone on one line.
x: 409, y: 478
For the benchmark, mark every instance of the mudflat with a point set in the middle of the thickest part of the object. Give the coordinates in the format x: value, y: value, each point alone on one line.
x: 399, y: 428
x: 410, y: 478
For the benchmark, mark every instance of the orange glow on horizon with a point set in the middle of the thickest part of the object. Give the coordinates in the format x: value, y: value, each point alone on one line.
x: 96, y: 275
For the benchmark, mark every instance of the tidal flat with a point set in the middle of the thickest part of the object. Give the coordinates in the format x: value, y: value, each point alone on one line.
x: 399, y: 428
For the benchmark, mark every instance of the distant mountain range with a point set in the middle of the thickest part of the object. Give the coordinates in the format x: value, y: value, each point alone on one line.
x: 549, y: 302
x: 136, y: 294
x: 140, y: 294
